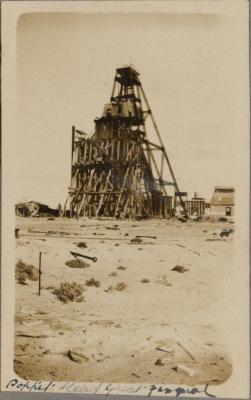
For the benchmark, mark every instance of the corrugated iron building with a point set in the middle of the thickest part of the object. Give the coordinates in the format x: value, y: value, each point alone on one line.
x: 223, y: 203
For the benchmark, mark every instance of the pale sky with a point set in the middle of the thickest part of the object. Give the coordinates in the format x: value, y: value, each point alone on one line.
x: 189, y: 66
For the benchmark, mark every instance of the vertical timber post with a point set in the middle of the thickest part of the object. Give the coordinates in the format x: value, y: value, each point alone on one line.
x: 39, y: 273
x: 72, y: 152
x: 72, y: 148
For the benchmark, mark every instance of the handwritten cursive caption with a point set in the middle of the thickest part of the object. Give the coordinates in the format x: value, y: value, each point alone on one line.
x: 106, y: 389
x: 27, y: 386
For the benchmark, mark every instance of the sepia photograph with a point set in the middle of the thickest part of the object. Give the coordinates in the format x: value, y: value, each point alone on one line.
x: 125, y: 186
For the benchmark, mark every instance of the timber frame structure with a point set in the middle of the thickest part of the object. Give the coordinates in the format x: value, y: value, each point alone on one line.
x: 114, y: 172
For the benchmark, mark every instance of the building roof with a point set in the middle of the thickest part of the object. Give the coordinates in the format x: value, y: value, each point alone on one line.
x: 223, y: 196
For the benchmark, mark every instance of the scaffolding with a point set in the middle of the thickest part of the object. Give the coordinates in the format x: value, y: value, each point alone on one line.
x: 114, y: 172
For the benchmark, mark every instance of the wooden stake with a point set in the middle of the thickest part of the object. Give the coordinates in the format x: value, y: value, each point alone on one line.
x: 39, y: 273
x: 72, y: 148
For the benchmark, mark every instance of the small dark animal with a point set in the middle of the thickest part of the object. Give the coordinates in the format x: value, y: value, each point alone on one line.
x: 225, y: 233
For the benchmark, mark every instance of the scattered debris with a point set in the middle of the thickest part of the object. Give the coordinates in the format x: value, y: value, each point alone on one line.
x: 121, y: 286
x: 121, y: 268
x: 19, y: 243
x: 114, y: 273
x: 77, y: 357
x: 34, y: 209
x: 109, y: 289
x: 25, y: 271
x: 76, y: 255
x: 149, y: 237
x: 83, y: 226
x: 186, y: 351
x: 182, y: 219
x: 17, y: 361
x: 47, y: 351
x: 92, y: 282
x: 104, y: 322
x: 136, y: 240
x: 166, y: 349
x: 82, y: 245
x: 136, y: 375
x: 180, y: 269
x: 34, y: 336
x: 27, y: 209
x: 182, y: 368
x: 69, y: 292
x: 164, y: 281
x: 76, y: 263
x: 180, y: 214
x: 101, y: 359
x: 223, y: 219
x: 145, y: 280
x: 159, y: 362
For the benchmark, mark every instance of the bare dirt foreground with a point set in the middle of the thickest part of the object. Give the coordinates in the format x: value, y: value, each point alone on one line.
x: 160, y: 327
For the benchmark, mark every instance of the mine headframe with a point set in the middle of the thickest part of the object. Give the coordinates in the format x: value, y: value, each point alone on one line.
x: 114, y: 172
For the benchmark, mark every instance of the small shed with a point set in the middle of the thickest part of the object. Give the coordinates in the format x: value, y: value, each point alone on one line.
x: 222, y: 203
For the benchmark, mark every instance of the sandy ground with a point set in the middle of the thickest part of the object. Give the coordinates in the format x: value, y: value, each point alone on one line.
x: 165, y: 330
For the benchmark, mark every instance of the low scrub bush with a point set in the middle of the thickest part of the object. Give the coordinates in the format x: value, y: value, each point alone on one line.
x: 25, y: 271
x: 92, y: 282
x: 121, y: 268
x: 69, y: 292
x: 77, y: 263
x: 121, y: 286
